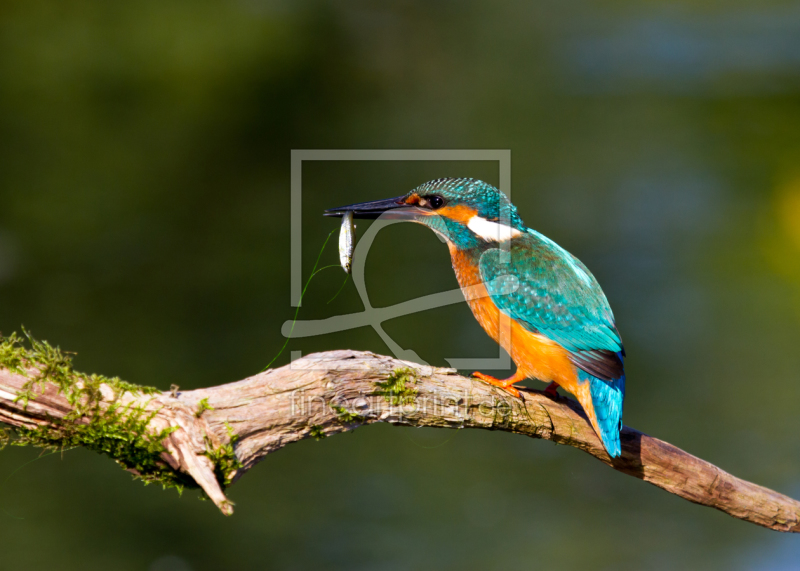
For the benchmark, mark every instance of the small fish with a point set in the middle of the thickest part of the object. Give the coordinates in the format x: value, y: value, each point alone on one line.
x: 347, y: 241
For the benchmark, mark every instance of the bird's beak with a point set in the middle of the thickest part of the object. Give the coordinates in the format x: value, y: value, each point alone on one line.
x: 397, y: 208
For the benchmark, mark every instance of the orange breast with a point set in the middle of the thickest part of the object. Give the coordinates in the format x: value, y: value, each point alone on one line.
x: 534, y: 354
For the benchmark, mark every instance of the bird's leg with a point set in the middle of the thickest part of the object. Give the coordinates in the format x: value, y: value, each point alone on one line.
x: 552, y: 389
x: 503, y: 383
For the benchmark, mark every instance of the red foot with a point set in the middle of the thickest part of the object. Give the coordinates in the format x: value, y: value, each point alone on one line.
x: 552, y: 390
x: 503, y: 384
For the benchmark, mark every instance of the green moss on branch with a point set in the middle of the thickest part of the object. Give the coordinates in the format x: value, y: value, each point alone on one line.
x: 203, y: 406
x: 317, y: 432
x: 395, y: 389
x: 224, y: 458
x: 121, y: 432
x: 346, y: 417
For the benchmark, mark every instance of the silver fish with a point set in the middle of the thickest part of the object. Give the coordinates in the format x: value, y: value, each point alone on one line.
x: 347, y: 241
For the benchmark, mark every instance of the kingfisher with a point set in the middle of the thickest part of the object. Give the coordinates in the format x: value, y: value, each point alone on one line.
x: 538, y: 301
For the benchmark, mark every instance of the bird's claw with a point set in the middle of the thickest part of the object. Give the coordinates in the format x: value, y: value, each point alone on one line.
x: 506, y: 385
x: 551, y: 390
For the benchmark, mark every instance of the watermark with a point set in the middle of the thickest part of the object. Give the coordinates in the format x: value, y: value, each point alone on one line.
x: 458, y: 408
x: 376, y: 316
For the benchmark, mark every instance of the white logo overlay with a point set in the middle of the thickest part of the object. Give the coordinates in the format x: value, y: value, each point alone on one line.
x: 376, y: 316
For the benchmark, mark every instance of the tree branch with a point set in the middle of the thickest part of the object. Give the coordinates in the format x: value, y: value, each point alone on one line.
x: 211, y: 437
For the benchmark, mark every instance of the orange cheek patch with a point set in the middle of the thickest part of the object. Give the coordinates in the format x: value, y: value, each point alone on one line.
x: 458, y: 213
x: 413, y: 199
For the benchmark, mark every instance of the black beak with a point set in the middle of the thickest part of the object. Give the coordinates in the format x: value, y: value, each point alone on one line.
x: 369, y: 210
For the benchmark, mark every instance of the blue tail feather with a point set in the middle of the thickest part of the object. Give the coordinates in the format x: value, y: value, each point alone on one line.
x: 607, y: 398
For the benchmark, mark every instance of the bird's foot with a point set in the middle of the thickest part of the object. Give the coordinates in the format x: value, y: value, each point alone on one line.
x: 552, y: 390
x: 505, y: 384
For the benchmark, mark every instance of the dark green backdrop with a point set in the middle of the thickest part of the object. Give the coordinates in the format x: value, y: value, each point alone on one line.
x: 144, y: 224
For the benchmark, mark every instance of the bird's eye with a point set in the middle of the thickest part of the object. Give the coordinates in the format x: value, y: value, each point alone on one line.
x: 436, y: 202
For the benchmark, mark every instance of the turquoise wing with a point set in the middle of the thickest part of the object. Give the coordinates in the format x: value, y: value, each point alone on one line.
x: 549, y: 291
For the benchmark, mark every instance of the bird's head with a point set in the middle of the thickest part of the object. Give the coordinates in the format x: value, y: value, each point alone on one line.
x: 464, y: 211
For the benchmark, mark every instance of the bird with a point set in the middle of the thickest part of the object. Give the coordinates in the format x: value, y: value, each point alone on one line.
x: 560, y: 327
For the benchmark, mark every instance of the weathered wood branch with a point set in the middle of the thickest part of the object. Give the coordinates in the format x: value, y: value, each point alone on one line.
x: 338, y: 391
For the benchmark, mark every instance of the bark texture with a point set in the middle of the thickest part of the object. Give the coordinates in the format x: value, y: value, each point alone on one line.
x: 337, y: 391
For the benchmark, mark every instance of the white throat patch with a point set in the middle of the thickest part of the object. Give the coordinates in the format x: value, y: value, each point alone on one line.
x: 491, y: 231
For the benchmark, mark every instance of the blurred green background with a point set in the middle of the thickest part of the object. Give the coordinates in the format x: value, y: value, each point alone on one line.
x: 144, y: 200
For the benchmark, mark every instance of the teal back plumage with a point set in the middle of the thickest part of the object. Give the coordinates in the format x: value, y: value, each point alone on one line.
x: 558, y: 297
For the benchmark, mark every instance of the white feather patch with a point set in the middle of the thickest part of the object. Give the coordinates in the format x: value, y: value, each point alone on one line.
x: 491, y: 231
